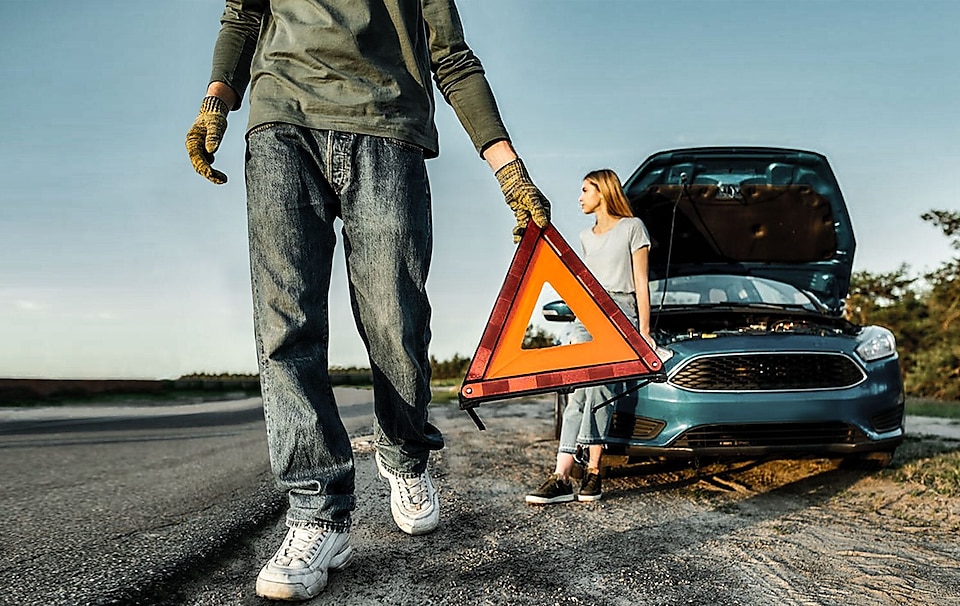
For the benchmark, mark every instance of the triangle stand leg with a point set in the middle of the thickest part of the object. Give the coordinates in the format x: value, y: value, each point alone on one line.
x: 476, y: 418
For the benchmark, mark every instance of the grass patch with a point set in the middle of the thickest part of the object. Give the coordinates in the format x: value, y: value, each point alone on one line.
x: 925, y: 407
x: 940, y: 473
x: 914, y: 449
x: 446, y: 382
x: 931, y: 463
x: 442, y: 394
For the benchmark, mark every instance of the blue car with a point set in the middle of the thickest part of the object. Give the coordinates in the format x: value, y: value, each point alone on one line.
x: 752, y: 252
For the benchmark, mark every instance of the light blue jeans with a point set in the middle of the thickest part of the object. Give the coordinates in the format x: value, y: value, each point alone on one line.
x: 298, y: 182
x: 581, y: 424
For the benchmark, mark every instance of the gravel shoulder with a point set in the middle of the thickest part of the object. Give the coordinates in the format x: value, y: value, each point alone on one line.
x: 783, y: 532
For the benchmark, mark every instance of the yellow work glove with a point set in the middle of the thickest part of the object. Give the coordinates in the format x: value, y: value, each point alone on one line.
x: 204, y: 138
x: 523, y: 197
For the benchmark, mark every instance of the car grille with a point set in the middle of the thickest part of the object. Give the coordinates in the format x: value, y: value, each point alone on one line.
x: 768, y: 372
x: 769, y: 435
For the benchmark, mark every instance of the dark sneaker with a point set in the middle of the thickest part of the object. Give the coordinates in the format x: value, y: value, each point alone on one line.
x: 590, y: 489
x: 554, y: 490
x: 298, y: 571
x: 413, y: 501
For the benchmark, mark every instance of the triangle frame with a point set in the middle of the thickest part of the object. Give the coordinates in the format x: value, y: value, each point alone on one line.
x: 502, y: 369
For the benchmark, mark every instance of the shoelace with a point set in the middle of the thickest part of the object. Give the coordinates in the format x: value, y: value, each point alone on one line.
x: 414, y: 491
x: 301, y: 544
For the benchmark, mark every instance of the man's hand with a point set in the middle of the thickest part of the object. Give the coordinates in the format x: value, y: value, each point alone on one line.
x: 205, y: 135
x: 523, y: 197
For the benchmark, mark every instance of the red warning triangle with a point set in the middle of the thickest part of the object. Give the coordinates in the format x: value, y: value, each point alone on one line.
x: 501, y: 368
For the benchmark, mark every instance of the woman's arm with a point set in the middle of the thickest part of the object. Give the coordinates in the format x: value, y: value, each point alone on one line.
x: 642, y: 286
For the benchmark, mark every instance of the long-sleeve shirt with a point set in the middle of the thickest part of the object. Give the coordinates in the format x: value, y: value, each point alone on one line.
x: 355, y: 66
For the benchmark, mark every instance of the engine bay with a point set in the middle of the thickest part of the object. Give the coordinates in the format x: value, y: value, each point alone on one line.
x: 674, y: 326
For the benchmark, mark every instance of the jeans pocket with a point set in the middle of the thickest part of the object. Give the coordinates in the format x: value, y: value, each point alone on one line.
x: 404, y: 145
x: 262, y: 127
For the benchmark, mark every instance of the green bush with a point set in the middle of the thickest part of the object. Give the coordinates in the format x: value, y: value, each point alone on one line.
x: 924, y: 314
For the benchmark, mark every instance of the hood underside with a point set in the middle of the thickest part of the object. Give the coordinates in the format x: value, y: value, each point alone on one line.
x: 751, y: 211
x: 757, y: 224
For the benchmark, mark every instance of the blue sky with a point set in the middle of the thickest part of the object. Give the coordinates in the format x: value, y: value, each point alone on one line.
x: 116, y: 260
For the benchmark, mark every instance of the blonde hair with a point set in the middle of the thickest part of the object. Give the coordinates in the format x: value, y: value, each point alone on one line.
x: 608, y: 184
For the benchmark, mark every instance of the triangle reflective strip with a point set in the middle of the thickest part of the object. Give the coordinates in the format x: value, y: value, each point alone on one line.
x: 501, y: 368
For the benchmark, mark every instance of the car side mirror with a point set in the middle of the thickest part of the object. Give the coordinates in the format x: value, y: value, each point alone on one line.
x: 558, y: 311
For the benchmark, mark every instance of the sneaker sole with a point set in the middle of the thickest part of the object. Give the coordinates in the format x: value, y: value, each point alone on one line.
x: 297, y: 592
x: 588, y: 498
x: 533, y: 500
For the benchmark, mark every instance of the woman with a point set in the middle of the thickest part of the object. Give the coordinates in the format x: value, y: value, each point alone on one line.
x: 615, y: 250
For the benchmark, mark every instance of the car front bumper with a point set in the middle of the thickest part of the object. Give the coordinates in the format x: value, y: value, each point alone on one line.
x: 664, y: 420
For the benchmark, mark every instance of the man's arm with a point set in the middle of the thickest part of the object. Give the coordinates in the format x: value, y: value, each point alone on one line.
x: 236, y: 43
x: 499, y: 154
x: 239, y: 31
x: 461, y: 80
x: 459, y: 75
x: 224, y: 92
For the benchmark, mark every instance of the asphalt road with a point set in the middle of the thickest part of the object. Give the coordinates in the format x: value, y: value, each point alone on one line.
x: 116, y: 504
x: 175, y: 505
x: 747, y: 533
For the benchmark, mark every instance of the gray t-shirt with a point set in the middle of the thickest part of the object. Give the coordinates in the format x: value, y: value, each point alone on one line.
x: 609, y: 256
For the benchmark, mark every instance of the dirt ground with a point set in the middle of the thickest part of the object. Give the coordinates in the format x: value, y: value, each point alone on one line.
x: 776, y: 532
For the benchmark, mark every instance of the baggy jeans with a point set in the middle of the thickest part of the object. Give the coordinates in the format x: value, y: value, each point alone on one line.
x: 581, y: 424
x: 299, y: 181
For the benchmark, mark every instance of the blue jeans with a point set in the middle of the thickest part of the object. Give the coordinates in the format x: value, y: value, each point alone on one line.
x: 581, y: 423
x: 298, y: 182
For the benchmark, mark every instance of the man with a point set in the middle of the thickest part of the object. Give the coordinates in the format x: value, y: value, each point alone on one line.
x: 341, y: 120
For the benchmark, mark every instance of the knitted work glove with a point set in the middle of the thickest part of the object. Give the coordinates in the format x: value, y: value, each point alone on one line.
x: 204, y: 137
x: 523, y: 197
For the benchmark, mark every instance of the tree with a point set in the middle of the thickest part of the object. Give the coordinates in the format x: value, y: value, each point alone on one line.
x: 924, y: 315
x: 537, y: 338
x: 935, y: 367
x: 454, y: 368
x: 944, y: 298
x: 870, y: 292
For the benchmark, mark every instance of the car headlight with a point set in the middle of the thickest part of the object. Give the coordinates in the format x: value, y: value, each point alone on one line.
x: 875, y: 342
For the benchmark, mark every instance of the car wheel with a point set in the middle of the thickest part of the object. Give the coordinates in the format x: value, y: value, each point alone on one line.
x: 870, y: 461
x: 558, y: 407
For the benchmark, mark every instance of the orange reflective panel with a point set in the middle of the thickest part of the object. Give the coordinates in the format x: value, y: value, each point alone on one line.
x: 502, y: 368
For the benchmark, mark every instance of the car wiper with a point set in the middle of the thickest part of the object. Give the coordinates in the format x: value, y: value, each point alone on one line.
x: 740, y: 305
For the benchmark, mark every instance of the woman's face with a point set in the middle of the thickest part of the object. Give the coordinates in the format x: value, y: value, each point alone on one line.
x: 589, y: 198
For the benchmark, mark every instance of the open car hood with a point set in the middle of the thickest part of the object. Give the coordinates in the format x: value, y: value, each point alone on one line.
x: 770, y: 212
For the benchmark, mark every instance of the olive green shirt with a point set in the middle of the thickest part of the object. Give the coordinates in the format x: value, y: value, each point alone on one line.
x: 355, y: 66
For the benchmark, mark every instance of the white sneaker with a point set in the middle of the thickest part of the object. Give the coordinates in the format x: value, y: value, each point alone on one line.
x: 298, y: 571
x: 413, y: 501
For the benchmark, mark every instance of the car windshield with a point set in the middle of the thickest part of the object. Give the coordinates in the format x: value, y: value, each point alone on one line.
x: 726, y: 290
